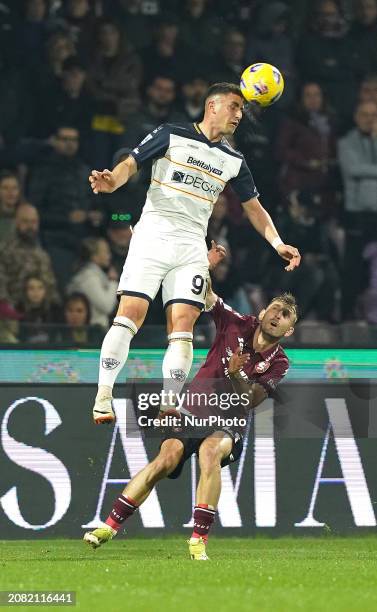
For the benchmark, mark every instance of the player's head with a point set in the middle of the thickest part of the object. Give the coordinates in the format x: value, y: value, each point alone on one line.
x: 278, y: 319
x: 223, y: 107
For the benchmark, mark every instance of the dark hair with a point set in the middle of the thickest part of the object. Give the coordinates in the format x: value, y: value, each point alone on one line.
x: 289, y: 301
x: 6, y: 174
x: 77, y: 296
x: 224, y: 89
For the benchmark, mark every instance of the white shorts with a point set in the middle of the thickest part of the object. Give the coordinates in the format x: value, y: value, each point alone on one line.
x: 180, y: 265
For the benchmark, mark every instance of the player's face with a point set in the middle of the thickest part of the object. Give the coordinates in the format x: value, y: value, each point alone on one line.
x: 277, y: 320
x: 228, y: 110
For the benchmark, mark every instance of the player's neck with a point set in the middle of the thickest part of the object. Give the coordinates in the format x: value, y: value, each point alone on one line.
x: 263, y: 342
x: 211, y: 132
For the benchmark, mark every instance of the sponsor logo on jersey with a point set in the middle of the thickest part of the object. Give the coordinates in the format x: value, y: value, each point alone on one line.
x: 262, y: 367
x: 201, y: 164
x: 195, y: 181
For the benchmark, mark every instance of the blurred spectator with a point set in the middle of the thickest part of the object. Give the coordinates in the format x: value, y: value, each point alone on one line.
x: 38, y: 311
x: 193, y: 95
x: 60, y: 189
x: 227, y: 283
x: 97, y: 279
x: 16, y: 107
x: 10, y: 197
x: 201, y: 26
x: 70, y: 104
x: 316, y: 283
x: 59, y: 47
x: 134, y: 20
x: 256, y: 137
x: 368, y: 89
x: 77, y: 16
x: 306, y: 144
x: 370, y: 297
x: 167, y: 55
x: 158, y: 107
x: 119, y: 234
x: 217, y: 225
x: 114, y: 80
x: 364, y: 30
x: 77, y: 329
x: 115, y: 73
x: 358, y: 163
x: 272, y: 43
x: 33, y: 30
x: 328, y: 56
x: 231, y: 61
x: 21, y: 256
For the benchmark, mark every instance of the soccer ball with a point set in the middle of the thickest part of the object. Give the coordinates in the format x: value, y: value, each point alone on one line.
x: 262, y: 83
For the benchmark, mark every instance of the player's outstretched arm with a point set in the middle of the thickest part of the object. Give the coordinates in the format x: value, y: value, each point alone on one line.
x: 261, y: 220
x: 107, y: 181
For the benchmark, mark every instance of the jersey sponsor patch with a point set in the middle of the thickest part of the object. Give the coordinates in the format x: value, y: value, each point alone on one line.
x: 262, y: 367
x: 195, y: 181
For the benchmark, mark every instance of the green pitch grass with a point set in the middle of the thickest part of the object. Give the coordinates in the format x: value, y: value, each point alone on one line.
x: 284, y: 575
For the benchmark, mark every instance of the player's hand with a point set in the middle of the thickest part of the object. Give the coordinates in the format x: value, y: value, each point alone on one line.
x: 237, y: 361
x: 291, y: 254
x: 216, y: 254
x: 102, y: 182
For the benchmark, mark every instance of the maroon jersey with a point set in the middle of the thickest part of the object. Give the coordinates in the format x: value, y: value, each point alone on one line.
x: 266, y: 368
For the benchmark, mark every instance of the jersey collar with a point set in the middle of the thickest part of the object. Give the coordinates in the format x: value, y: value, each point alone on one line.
x: 208, y: 142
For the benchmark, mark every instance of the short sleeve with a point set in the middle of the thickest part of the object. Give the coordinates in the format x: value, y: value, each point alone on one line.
x: 243, y: 184
x: 223, y: 315
x: 271, y: 378
x: 155, y: 144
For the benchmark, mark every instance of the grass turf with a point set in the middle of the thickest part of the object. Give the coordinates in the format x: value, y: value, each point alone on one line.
x: 287, y: 574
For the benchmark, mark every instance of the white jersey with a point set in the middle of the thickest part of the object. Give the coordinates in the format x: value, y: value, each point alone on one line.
x: 188, y: 174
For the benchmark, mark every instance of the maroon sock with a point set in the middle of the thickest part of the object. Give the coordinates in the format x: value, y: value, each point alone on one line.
x: 123, y: 508
x: 203, y: 519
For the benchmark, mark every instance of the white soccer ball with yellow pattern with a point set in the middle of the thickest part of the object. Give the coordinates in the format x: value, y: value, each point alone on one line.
x: 262, y: 83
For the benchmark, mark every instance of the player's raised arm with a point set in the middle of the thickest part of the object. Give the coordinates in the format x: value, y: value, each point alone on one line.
x: 261, y: 220
x: 107, y: 181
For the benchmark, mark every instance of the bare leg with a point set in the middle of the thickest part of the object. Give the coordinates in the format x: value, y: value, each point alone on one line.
x: 166, y: 461
x: 211, y: 453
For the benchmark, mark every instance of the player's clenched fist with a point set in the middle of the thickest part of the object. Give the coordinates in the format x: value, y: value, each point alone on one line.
x: 102, y: 182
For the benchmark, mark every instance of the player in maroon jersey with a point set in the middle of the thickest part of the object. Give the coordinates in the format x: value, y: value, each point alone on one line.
x: 245, y: 359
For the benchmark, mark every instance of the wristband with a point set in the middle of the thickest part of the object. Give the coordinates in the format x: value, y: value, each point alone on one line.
x: 276, y: 242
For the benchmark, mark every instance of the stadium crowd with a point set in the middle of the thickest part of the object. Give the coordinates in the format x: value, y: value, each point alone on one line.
x: 83, y: 81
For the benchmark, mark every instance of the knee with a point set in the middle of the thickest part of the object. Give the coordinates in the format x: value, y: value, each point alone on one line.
x: 184, y: 322
x: 209, y: 459
x: 134, y: 311
x: 163, y: 465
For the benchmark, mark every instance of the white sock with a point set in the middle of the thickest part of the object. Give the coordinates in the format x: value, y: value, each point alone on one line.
x: 176, y: 365
x: 114, y: 351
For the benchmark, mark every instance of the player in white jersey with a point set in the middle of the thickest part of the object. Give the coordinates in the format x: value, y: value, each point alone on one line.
x: 192, y: 163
